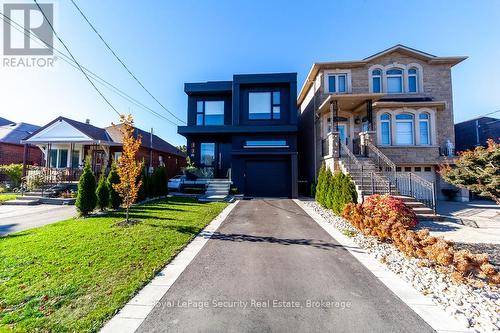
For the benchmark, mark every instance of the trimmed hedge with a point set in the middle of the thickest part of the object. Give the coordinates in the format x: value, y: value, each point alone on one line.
x: 86, y: 199
x: 113, y: 178
x: 102, y: 192
x: 334, y: 191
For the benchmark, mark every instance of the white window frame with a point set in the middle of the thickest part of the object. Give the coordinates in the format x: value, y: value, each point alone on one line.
x: 336, y: 73
x: 416, y: 80
x: 400, y: 76
x: 405, y: 77
x: 428, y: 121
x: 388, y: 121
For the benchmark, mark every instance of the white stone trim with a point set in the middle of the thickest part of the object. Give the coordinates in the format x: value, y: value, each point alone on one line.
x: 131, y: 316
x: 423, y: 306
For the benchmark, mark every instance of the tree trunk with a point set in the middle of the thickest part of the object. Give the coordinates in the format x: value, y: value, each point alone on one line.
x: 127, y: 216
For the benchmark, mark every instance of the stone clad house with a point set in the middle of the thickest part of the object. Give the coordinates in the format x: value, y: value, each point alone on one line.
x: 388, y: 117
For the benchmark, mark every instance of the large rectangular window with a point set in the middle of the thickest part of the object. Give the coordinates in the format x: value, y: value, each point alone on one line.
x: 207, y: 154
x: 53, y: 158
x: 63, y: 158
x: 75, y: 158
x: 404, y: 133
x: 264, y: 105
x: 210, y: 113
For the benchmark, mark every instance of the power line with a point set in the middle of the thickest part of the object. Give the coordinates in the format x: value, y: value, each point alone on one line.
x: 123, y: 64
x: 74, y: 59
x: 94, y: 76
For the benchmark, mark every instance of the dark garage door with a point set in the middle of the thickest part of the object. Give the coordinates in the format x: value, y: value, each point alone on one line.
x: 267, y: 178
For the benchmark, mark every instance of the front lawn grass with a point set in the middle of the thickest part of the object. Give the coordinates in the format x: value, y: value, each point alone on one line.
x: 73, y: 275
x: 5, y: 197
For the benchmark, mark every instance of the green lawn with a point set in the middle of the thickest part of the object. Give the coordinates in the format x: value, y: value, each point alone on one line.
x: 73, y: 275
x: 5, y: 197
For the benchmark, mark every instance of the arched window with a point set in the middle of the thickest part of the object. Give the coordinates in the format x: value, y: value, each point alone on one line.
x: 424, y: 129
x: 412, y: 80
x: 377, y: 81
x: 394, y: 81
x: 385, y: 129
x: 404, y: 129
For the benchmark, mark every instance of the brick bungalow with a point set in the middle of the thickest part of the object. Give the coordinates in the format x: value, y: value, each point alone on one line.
x: 65, y: 143
x: 11, y: 147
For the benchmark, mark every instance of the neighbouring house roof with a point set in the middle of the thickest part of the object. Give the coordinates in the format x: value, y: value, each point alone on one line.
x: 157, y: 144
x: 4, y: 121
x: 14, y: 133
x: 492, y: 119
x: 429, y: 58
x: 63, y: 130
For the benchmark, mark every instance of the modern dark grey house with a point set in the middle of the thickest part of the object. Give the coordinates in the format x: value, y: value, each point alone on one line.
x: 475, y: 132
x: 245, y: 130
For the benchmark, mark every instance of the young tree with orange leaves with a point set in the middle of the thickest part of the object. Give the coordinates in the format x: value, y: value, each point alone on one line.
x: 129, y: 168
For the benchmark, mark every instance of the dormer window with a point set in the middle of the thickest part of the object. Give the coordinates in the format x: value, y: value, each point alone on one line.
x: 412, y: 80
x: 394, y: 81
x: 377, y: 81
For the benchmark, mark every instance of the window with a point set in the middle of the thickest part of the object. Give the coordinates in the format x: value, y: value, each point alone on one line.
x: 427, y: 169
x: 407, y: 169
x: 207, y: 154
x: 412, y: 80
x: 337, y: 83
x: 418, y: 169
x: 53, y: 158
x: 264, y: 105
x: 424, y: 129
x: 75, y: 158
x: 210, y: 113
x: 394, y: 81
x: 404, y: 129
x: 385, y: 129
x: 398, y: 169
x: 377, y: 81
x: 266, y: 144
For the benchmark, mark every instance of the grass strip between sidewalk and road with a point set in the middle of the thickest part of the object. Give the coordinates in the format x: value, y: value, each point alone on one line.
x: 73, y: 275
x: 6, y: 197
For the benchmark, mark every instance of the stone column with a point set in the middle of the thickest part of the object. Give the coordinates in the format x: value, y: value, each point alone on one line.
x: 365, y: 137
x: 334, y: 144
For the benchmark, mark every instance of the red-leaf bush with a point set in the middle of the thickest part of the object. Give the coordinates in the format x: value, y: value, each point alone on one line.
x: 388, y: 218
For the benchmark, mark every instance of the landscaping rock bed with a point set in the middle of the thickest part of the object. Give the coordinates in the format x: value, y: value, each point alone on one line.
x: 476, y: 307
x: 492, y: 250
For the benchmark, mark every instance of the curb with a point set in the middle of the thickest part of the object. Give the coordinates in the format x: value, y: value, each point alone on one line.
x: 423, y: 306
x: 131, y: 316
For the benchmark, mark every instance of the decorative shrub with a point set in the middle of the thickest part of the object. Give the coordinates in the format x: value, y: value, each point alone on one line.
x: 113, y: 178
x: 160, y: 181
x: 102, y: 192
x: 144, y: 188
x: 86, y: 199
x: 334, y: 191
x: 388, y: 218
x: 14, y: 172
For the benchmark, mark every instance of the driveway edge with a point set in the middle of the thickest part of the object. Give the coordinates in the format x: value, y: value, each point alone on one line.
x: 131, y: 316
x: 431, y: 313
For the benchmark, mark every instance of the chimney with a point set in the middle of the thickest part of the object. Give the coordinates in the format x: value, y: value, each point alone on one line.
x: 87, y: 121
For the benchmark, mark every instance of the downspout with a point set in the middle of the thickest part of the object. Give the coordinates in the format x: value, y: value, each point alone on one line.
x: 314, y: 132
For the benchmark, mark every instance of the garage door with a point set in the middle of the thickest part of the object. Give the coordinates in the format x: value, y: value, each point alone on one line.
x: 267, y: 178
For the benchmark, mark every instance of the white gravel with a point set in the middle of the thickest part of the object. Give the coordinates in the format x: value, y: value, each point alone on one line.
x: 477, y: 308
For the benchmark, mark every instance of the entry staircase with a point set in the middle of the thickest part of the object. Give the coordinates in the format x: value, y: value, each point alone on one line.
x: 46, y: 194
x: 376, y: 174
x: 217, y: 190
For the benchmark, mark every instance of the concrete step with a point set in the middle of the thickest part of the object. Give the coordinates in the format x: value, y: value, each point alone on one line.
x: 21, y: 202
x: 28, y: 197
x: 429, y: 217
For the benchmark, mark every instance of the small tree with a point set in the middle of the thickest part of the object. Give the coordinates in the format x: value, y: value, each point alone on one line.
x: 102, y: 192
x: 320, y: 184
x: 113, y: 178
x: 86, y: 199
x: 477, y: 170
x: 14, y: 172
x: 129, y: 168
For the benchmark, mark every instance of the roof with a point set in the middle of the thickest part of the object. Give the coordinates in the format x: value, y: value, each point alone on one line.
x: 479, y: 118
x: 427, y: 57
x: 4, y: 121
x: 111, y: 135
x: 15, y: 132
x: 158, y: 143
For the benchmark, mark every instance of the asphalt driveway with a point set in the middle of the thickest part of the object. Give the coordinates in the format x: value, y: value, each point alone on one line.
x: 271, y: 268
x: 18, y: 218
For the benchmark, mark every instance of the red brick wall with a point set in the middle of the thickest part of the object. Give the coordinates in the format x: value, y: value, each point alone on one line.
x: 12, y: 153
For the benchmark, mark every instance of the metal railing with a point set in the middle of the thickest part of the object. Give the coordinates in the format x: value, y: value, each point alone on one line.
x: 369, y: 180
x: 406, y: 183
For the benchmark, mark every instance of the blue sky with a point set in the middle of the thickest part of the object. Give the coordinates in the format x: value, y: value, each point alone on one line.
x: 167, y: 43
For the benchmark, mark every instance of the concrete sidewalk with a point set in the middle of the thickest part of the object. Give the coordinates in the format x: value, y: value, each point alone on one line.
x: 271, y: 268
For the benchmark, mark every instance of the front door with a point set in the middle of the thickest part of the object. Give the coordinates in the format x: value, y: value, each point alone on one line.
x: 342, y: 133
x: 98, y: 158
x: 224, y: 160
